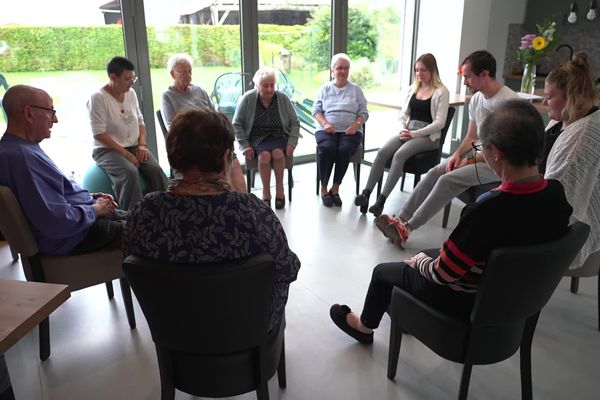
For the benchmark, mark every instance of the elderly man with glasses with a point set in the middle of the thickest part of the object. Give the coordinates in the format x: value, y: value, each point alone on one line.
x: 120, y: 145
x: 64, y: 218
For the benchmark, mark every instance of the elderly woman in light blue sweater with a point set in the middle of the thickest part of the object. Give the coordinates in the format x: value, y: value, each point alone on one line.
x: 266, y: 126
x: 341, y: 110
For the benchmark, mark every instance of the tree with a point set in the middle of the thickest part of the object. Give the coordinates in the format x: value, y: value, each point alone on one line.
x: 362, y: 36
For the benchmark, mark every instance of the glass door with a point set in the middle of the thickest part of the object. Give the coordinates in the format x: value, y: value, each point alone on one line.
x: 295, y: 39
x: 208, y: 31
x: 42, y: 44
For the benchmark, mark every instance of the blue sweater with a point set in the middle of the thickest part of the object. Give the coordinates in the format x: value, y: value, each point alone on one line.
x: 59, y: 212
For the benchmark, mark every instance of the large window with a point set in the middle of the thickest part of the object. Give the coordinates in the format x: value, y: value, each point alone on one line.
x: 208, y: 31
x: 43, y: 44
x: 295, y: 39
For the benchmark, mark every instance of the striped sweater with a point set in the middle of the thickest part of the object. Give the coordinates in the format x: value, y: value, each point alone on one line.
x: 514, y: 214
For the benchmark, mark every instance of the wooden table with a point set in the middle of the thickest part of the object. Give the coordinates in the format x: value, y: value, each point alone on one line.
x: 23, y: 305
x: 394, y: 100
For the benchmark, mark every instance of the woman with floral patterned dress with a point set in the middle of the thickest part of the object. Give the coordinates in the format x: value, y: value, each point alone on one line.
x: 199, y: 219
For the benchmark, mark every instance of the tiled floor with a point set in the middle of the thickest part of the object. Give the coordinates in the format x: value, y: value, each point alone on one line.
x: 96, y: 356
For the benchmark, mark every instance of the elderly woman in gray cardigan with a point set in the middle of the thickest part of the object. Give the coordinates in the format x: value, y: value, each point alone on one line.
x: 266, y: 126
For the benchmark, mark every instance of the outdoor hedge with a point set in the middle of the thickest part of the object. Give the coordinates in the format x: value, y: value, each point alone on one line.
x: 90, y: 48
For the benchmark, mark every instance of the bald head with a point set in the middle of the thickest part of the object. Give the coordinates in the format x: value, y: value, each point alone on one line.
x: 30, y: 112
x: 18, y: 96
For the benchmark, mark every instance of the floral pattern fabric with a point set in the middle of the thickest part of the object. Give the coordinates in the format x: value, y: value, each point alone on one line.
x: 211, y: 228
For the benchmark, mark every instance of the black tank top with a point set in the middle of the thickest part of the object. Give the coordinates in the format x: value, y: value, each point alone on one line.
x: 420, y: 110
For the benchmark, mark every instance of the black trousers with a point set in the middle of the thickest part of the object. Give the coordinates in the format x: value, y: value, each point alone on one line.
x: 106, y: 233
x: 335, y: 149
x: 387, y: 275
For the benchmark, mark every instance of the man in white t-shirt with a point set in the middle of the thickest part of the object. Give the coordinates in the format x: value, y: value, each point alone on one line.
x: 465, y: 168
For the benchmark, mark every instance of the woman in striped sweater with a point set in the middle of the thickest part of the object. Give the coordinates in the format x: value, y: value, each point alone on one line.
x: 525, y: 209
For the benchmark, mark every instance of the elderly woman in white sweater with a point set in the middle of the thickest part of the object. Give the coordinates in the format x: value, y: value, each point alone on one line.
x: 422, y: 118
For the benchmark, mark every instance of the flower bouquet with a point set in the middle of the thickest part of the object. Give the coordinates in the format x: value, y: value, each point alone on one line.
x: 533, y: 49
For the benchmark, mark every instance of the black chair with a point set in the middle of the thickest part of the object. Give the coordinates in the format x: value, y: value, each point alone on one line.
x: 356, y: 159
x: 209, y: 324
x: 422, y: 162
x: 517, y: 283
x: 469, y: 196
x: 161, y: 122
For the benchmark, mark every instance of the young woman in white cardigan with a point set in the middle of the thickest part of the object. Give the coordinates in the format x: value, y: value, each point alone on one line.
x: 422, y: 118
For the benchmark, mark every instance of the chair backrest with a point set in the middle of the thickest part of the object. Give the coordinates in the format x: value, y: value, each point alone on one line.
x: 518, y: 281
x: 14, y: 225
x: 451, y: 111
x: 227, y: 91
x: 161, y: 122
x: 216, y: 308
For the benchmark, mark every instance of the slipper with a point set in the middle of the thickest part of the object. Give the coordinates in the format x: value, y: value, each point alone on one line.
x: 327, y: 200
x: 337, y: 200
x: 338, y: 316
x: 279, y: 203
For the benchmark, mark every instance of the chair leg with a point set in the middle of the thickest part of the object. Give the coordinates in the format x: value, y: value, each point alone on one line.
x: 290, y: 184
x: 574, y: 284
x: 402, y: 182
x: 109, y: 290
x: 357, y: 178
x: 126, y: 292
x: 446, y: 214
x: 394, y: 350
x: 281, y: 374
x: 318, y: 176
x: 15, y: 255
x: 249, y: 179
x: 526, y: 382
x: 167, y: 380
x: 463, y: 391
x: 417, y: 180
x: 44, y: 328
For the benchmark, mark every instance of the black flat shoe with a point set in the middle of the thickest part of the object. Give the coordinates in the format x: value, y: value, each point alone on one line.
x: 337, y: 200
x: 338, y: 316
x: 279, y: 203
x: 327, y: 200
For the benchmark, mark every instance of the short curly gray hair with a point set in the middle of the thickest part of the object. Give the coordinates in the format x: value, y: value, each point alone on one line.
x: 177, y: 58
x: 339, y: 56
x: 263, y: 73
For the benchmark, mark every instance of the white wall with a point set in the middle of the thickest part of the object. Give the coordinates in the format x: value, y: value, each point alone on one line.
x: 486, y: 27
x: 440, y: 24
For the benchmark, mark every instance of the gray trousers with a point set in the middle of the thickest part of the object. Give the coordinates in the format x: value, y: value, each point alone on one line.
x: 125, y: 178
x: 399, y: 151
x: 439, y: 187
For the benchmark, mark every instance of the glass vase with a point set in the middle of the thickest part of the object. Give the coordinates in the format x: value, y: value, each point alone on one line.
x: 528, y: 79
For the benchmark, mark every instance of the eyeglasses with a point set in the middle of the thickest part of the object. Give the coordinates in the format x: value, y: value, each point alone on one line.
x: 476, y: 145
x: 52, y: 111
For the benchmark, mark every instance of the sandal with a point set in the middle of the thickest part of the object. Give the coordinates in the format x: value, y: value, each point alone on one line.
x: 338, y: 316
x: 279, y: 203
